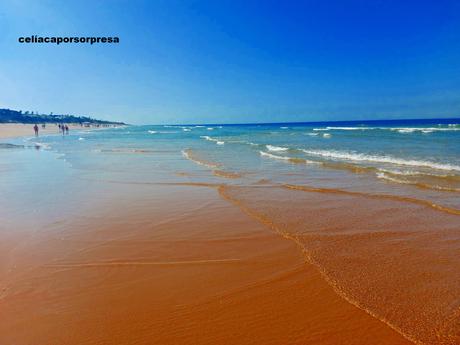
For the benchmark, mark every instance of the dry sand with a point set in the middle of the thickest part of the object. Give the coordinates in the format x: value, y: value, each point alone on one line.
x: 12, y: 130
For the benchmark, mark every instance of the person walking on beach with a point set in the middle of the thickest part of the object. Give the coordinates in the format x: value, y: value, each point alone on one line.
x: 36, y: 130
x: 66, y: 129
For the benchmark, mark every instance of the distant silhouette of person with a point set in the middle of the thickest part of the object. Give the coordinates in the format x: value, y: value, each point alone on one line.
x: 66, y: 129
x: 36, y: 130
x: 43, y: 125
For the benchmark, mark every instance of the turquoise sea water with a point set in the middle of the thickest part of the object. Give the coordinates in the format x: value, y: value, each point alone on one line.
x: 417, y: 158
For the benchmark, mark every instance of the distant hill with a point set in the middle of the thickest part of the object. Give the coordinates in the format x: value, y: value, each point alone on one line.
x: 14, y: 116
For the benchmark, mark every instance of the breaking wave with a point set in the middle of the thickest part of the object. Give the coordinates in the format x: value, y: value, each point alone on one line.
x: 194, y: 157
x: 276, y: 148
x: 360, y: 157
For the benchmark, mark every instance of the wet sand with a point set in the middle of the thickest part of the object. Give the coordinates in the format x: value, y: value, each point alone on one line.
x: 395, y: 258
x: 177, y: 265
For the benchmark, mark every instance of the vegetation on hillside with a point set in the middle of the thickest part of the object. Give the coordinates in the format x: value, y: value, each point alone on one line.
x: 15, y: 116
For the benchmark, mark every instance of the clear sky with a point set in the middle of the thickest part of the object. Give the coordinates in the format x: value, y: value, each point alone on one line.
x: 234, y: 61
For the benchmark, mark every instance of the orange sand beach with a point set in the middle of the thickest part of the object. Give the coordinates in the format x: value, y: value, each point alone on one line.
x: 195, y: 266
x: 218, y: 277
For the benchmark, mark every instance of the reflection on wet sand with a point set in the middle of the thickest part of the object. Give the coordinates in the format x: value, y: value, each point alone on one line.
x: 394, y: 258
x: 192, y: 270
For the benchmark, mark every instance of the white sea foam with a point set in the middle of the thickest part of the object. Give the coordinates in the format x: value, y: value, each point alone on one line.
x: 210, y: 129
x: 284, y: 127
x: 186, y: 129
x: 450, y: 127
x: 81, y: 139
x: 383, y: 176
x: 312, y: 134
x: 208, y: 138
x: 360, y: 157
x: 326, y: 135
x: 269, y: 155
x: 199, y: 162
x: 162, y: 132
x: 404, y: 172
x: 406, y: 130
x: 276, y: 148
x: 424, y: 129
x: 350, y: 128
x: 416, y: 173
x: 285, y: 158
x: 332, y: 128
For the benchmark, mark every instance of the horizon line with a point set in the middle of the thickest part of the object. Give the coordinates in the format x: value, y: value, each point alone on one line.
x: 301, y: 122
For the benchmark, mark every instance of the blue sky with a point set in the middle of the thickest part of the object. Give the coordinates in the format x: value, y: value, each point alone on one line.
x: 234, y: 61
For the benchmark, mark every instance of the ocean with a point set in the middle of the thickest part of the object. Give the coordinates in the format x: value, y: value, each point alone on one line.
x: 416, y: 158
